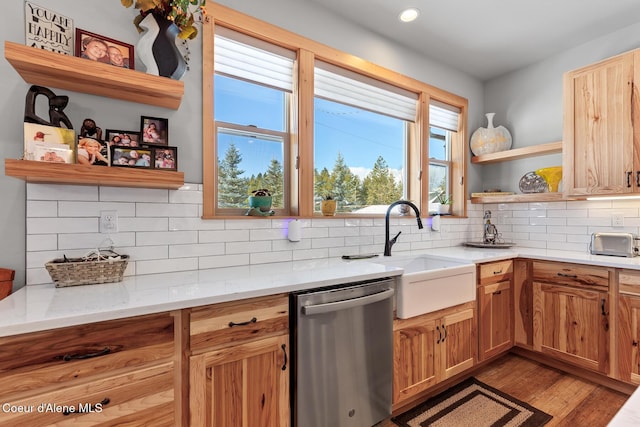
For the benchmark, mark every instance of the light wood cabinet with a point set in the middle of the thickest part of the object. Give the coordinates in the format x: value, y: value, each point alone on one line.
x: 629, y: 326
x: 431, y: 348
x: 117, y: 372
x: 571, y: 313
x: 239, y: 364
x: 495, y: 308
x: 601, y: 128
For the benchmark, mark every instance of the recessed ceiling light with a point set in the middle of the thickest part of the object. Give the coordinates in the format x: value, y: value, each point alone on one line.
x: 409, y: 15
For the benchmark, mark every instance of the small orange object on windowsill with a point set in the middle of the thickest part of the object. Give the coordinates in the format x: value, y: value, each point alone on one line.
x: 6, y: 282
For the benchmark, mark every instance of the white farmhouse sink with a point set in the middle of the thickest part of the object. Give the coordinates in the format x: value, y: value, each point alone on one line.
x: 430, y: 284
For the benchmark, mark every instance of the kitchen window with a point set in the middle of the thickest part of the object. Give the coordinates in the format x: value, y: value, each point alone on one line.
x: 310, y: 121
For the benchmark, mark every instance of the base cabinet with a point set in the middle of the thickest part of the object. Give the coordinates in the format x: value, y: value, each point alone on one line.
x: 431, y: 348
x: 495, y: 308
x: 629, y: 326
x: 571, y: 317
x: 239, y: 364
x: 244, y: 385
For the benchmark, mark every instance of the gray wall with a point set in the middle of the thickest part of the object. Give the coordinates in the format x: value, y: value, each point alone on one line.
x: 112, y: 20
x: 529, y: 103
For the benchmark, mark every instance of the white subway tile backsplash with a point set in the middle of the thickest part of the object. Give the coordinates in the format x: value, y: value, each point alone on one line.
x: 162, y: 230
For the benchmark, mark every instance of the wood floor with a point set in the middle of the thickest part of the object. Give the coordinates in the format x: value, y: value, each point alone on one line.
x: 570, y: 400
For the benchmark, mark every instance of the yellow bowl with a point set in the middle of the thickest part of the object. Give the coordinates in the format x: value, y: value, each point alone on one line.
x: 552, y: 175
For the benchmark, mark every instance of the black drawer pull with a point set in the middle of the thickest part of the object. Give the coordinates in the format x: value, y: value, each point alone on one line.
x: 602, y: 307
x: 439, y: 334
x: 570, y: 276
x: 89, y: 408
x: 284, y: 352
x: 637, y: 178
x: 68, y: 357
x: 444, y: 328
x: 497, y: 293
x: 248, y: 322
x: 629, y: 179
x: 498, y: 272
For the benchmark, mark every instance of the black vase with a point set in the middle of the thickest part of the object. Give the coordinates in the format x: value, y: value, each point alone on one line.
x: 157, y: 48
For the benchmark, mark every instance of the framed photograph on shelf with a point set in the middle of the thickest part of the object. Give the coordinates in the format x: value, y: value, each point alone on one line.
x: 47, y: 30
x: 49, y: 143
x: 138, y: 157
x: 154, y: 130
x: 92, y: 152
x: 165, y: 158
x: 103, y: 49
x: 122, y: 138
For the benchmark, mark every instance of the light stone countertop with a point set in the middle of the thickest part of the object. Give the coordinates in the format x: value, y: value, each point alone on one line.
x: 41, y: 307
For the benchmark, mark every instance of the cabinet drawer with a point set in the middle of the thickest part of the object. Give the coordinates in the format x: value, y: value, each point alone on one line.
x: 140, y: 397
x: 495, y: 271
x: 68, y: 355
x: 225, y: 324
x: 571, y: 274
x: 629, y: 282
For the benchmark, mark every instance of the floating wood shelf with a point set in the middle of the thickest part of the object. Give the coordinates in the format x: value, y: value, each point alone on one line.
x: 51, y: 69
x: 62, y: 173
x: 520, y: 198
x: 519, y: 153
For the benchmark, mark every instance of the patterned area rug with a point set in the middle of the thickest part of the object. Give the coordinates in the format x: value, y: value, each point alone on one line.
x: 474, y: 404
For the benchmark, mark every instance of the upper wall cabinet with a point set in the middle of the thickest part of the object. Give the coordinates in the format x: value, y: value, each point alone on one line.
x: 50, y: 69
x: 601, y: 128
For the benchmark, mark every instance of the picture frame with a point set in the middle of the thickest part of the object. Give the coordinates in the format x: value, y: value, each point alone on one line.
x: 154, y: 130
x: 131, y: 157
x: 165, y: 157
x: 123, y: 138
x: 92, y: 151
x: 49, y: 143
x: 103, y: 49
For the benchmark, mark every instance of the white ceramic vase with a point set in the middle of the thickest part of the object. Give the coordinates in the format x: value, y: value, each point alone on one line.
x: 490, y: 139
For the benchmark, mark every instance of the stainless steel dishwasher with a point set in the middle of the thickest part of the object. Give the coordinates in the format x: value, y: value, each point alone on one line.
x: 342, y: 342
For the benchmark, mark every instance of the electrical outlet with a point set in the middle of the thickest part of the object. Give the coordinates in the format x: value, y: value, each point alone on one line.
x: 109, y: 221
x: 617, y: 220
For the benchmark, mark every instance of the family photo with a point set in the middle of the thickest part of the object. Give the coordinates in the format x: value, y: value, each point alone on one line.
x: 103, y: 49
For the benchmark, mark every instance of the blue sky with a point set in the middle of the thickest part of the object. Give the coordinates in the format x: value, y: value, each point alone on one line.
x: 360, y: 136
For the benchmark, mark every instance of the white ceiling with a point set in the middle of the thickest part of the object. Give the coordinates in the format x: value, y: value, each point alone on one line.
x: 488, y: 38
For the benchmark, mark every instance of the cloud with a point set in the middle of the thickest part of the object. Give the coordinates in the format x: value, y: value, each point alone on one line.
x: 362, y: 172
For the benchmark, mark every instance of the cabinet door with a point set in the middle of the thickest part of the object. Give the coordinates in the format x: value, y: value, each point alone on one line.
x: 629, y: 337
x: 242, y: 385
x: 572, y: 325
x: 495, y: 319
x: 598, y: 143
x: 414, y: 368
x: 458, y: 342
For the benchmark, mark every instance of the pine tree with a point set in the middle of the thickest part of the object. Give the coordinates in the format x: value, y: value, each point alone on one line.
x: 345, y: 185
x: 273, y: 181
x: 379, y: 185
x: 232, y: 188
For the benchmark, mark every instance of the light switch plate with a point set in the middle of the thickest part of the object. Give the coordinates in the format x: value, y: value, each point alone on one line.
x: 617, y: 220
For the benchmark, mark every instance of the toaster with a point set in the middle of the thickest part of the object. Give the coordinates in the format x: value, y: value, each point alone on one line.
x: 614, y: 244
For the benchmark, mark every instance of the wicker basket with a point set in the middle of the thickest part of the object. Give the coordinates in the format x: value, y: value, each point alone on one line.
x: 87, y: 272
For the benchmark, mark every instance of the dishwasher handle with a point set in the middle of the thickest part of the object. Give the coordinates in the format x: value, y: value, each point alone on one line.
x: 346, y: 304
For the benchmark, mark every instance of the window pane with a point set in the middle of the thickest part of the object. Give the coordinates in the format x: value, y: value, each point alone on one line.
x: 249, y: 104
x: 438, y: 181
x: 249, y: 161
x: 358, y: 157
x: 438, y: 144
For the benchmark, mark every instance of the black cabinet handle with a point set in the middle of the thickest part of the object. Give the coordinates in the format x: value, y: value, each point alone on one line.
x: 444, y: 328
x: 628, y: 179
x: 498, y: 272
x: 439, y: 334
x: 248, y: 322
x: 284, y: 352
x: 602, y: 307
x: 497, y: 293
x: 634, y: 343
x: 68, y: 357
x: 88, y: 409
x: 637, y: 178
x: 570, y: 276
